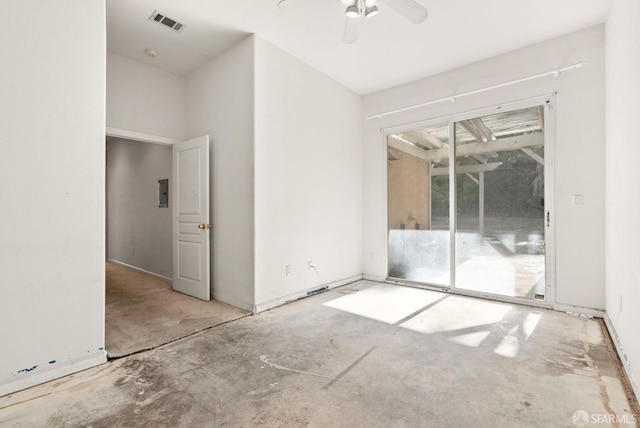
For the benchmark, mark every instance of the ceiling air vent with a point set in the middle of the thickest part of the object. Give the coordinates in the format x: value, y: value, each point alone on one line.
x: 166, y: 21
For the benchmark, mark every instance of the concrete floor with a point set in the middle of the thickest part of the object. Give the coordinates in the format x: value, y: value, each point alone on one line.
x: 363, y: 355
x: 143, y: 312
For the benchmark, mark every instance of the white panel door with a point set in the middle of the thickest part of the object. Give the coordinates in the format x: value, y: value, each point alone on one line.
x: 191, y: 227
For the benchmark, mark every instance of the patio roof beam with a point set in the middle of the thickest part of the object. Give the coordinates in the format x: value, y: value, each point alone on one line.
x: 499, y: 145
x: 533, y: 155
x: 467, y: 169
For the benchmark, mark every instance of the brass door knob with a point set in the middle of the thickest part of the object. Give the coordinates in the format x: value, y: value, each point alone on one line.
x: 203, y: 226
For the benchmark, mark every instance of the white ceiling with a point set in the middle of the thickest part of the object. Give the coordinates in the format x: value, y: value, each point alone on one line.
x: 389, y: 50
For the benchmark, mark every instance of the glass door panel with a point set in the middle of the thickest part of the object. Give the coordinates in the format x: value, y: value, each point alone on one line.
x: 418, y: 205
x: 500, y: 244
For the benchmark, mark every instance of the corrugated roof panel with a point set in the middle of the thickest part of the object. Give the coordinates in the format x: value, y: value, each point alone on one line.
x: 501, y: 125
x: 514, y: 122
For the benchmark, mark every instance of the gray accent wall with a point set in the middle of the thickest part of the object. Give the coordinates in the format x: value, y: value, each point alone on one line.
x: 138, y: 231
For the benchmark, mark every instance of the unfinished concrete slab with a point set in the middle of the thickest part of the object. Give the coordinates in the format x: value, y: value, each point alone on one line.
x: 143, y: 312
x: 362, y: 355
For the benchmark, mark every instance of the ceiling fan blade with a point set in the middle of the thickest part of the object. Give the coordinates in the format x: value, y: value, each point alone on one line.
x: 410, y: 9
x: 288, y: 4
x: 351, y: 30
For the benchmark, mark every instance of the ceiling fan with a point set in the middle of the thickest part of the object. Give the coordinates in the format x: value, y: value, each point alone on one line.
x: 356, y: 9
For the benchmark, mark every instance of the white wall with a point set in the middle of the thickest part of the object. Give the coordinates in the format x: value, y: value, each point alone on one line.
x: 138, y: 231
x: 622, y: 178
x: 579, y: 151
x: 52, y: 209
x: 219, y: 102
x: 144, y: 99
x: 308, y: 177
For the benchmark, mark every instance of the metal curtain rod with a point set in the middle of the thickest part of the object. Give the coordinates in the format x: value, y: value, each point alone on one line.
x: 554, y: 73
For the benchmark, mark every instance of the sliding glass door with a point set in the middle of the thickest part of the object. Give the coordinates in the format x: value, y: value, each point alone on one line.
x: 500, y: 245
x: 498, y: 238
x: 418, y: 205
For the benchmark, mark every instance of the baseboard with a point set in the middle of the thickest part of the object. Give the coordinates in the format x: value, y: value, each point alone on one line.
x: 597, y: 313
x: 260, y: 307
x: 374, y: 278
x: 633, y: 379
x: 32, y: 378
x: 156, y: 275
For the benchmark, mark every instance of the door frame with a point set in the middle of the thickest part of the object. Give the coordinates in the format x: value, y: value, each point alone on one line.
x: 548, y: 101
x: 152, y: 139
x: 139, y: 136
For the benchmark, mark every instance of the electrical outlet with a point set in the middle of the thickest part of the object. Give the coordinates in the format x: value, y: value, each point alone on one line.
x: 287, y: 270
x: 309, y: 265
x: 133, y: 250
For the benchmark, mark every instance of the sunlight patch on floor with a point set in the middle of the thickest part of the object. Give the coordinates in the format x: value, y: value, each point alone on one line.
x: 471, y: 339
x: 385, y: 302
x: 458, y: 319
x: 530, y: 323
x: 509, y: 345
x: 459, y: 314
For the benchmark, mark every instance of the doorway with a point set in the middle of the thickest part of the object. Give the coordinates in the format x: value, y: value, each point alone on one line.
x: 466, y: 203
x: 142, y: 311
x: 138, y: 222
